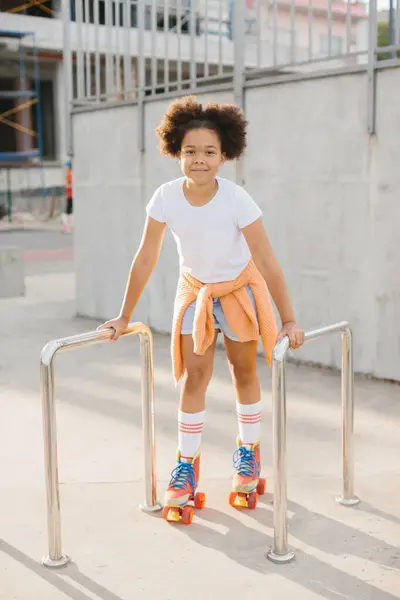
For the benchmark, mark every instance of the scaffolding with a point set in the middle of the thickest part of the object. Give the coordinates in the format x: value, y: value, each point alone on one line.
x: 29, y: 146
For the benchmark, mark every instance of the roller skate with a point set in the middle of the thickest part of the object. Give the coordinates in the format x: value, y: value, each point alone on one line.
x: 247, y: 484
x: 182, y: 490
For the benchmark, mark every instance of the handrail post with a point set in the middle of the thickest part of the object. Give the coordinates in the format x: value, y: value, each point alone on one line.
x: 280, y: 552
x: 56, y: 557
x: 347, y: 497
x: 150, y: 499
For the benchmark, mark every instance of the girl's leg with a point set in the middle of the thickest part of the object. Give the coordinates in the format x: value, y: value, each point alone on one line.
x: 199, y: 370
x: 193, y: 398
x: 242, y: 360
x: 185, y: 477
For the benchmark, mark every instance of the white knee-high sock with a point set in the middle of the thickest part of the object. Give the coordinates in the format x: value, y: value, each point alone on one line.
x: 249, y: 419
x: 190, y: 427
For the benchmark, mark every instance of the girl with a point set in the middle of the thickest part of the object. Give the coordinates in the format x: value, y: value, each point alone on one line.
x: 227, y: 268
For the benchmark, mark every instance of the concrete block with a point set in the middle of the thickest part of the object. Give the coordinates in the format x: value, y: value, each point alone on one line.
x: 12, y: 281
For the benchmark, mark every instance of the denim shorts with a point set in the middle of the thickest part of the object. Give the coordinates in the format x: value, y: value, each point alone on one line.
x: 220, y: 322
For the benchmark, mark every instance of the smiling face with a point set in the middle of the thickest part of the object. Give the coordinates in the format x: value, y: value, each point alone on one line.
x: 201, y: 156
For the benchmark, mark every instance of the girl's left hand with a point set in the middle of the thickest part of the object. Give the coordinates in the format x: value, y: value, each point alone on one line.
x: 295, y: 334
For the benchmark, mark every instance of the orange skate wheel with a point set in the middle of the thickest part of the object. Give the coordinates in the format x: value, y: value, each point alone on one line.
x: 252, y: 500
x: 171, y: 514
x: 187, y: 514
x: 238, y: 500
x: 261, y: 487
x: 232, y: 498
x: 200, y: 500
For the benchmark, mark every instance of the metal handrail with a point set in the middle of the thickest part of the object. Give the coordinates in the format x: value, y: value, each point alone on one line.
x: 55, y: 556
x: 280, y: 553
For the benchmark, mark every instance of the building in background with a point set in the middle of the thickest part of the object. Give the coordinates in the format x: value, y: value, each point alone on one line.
x: 183, y: 40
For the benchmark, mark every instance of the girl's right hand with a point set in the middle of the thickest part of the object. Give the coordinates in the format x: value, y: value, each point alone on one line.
x: 119, y: 325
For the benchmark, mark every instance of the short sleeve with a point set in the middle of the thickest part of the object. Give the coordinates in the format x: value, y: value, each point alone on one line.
x: 247, y: 211
x: 155, y: 208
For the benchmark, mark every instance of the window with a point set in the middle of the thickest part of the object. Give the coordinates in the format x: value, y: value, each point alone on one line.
x: 47, y: 116
x: 42, y: 8
x: 8, y: 138
x: 336, y: 45
x: 117, y: 14
x: 13, y: 140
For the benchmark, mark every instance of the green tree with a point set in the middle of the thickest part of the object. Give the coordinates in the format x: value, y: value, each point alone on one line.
x: 383, y: 40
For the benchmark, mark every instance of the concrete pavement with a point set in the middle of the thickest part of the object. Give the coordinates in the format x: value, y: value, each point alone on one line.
x: 44, y: 246
x: 120, y: 553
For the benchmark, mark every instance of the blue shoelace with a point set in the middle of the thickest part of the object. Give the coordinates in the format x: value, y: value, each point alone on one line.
x: 181, y: 474
x: 244, y: 460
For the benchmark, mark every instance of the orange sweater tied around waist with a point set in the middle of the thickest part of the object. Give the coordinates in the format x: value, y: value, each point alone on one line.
x: 238, y: 310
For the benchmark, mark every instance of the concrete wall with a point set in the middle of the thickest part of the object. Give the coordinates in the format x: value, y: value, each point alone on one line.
x: 328, y: 190
x: 331, y: 208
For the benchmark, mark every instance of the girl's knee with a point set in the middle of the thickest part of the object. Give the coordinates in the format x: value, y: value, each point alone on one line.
x: 197, y: 377
x: 244, y: 375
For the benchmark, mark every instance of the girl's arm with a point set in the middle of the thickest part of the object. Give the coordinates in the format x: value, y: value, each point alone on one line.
x: 268, y: 265
x: 142, y: 267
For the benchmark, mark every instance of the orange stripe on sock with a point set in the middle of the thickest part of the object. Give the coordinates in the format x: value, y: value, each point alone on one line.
x: 194, y: 431
x: 258, y: 415
x: 249, y: 418
x: 190, y: 432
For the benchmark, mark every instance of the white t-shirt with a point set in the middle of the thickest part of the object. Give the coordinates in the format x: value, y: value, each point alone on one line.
x: 210, y: 245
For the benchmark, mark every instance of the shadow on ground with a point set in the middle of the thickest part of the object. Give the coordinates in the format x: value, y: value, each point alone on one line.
x: 58, y: 579
x: 247, y: 547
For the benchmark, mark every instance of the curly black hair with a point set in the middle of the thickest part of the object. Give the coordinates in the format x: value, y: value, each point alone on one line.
x: 184, y: 114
